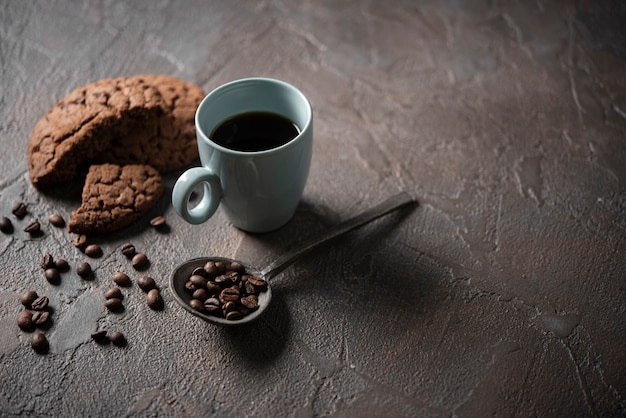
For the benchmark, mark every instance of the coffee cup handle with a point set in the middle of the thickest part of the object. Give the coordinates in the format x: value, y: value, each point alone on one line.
x: 185, y: 185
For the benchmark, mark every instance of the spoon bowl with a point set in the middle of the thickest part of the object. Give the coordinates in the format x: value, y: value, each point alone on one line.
x: 182, y: 296
x: 181, y: 274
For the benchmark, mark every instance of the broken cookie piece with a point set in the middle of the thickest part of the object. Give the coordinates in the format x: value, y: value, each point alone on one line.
x: 115, y: 196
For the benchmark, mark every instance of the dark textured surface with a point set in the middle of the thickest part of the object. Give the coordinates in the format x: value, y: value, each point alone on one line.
x: 503, y: 293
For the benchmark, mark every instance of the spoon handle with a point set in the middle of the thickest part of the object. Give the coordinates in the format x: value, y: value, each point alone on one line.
x: 389, y: 205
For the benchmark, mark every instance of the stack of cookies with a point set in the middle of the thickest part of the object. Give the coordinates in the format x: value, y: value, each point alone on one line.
x: 125, y: 133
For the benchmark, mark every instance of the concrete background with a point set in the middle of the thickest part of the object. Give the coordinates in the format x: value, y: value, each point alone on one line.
x: 503, y: 293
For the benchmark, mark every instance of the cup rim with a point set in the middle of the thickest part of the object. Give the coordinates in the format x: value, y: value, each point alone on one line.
x: 205, y: 137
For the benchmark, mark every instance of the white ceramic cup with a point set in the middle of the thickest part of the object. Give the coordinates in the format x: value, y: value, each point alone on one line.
x: 258, y: 191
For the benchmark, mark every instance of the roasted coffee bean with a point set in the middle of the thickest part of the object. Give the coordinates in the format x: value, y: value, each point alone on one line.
x: 39, y: 343
x: 213, y: 288
x: 154, y: 300
x: 61, y: 264
x: 100, y: 337
x: 190, y: 286
x: 114, y: 305
x: 28, y: 298
x: 210, y: 269
x: 196, y: 304
x: 25, y: 321
x: 234, y: 315
x: 157, y: 222
x: 223, y: 280
x: 198, y: 281
x: 221, y: 267
x: 229, y: 307
x: 128, y: 250
x: 200, y: 294
x: 52, y: 275
x: 56, y: 220
x: 250, y: 301
x: 6, y: 225
x: 84, y: 270
x: 250, y: 288
x: 118, y: 339
x: 236, y: 266
x: 213, y: 306
x: 121, y: 279
x: 259, y: 284
x: 230, y: 294
x: 19, y: 210
x: 146, y: 283
x: 40, y: 318
x: 140, y: 261
x: 33, y: 227
x: 40, y: 304
x: 200, y: 271
x: 93, y: 251
x: 113, y: 292
x: 80, y: 241
x: 47, y: 262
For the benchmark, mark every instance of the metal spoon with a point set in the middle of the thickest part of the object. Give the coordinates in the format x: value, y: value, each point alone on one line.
x: 181, y: 274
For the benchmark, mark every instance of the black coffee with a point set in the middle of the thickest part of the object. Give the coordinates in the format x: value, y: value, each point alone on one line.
x: 254, y: 131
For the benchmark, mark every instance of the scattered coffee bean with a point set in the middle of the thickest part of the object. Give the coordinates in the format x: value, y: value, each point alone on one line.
x: 80, y: 241
x: 113, y: 292
x: 114, y: 305
x: 84, y: 270
x: 128, y: 250
x: 28, y: 298
x: 93, y: 251
x: 118, y: 339
x: 25, y: 321
x: 19, y: 210
x: 157, y: 222
x: 154, y: 300
x: 52, y: 275
x: 121, y: 279
x: 47, y: 262
x: 56, y: 220
x: 40, y: 304
x: 6, y: 225
x: 100, y: 337
x: 61, y: 264
x: 39, y: 343
x: 41, y: 318
x: 33, y: 227
x: 140, y: 261
x: 146, y: 283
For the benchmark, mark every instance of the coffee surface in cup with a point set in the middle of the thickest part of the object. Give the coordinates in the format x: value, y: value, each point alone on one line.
x: 254, y: 131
